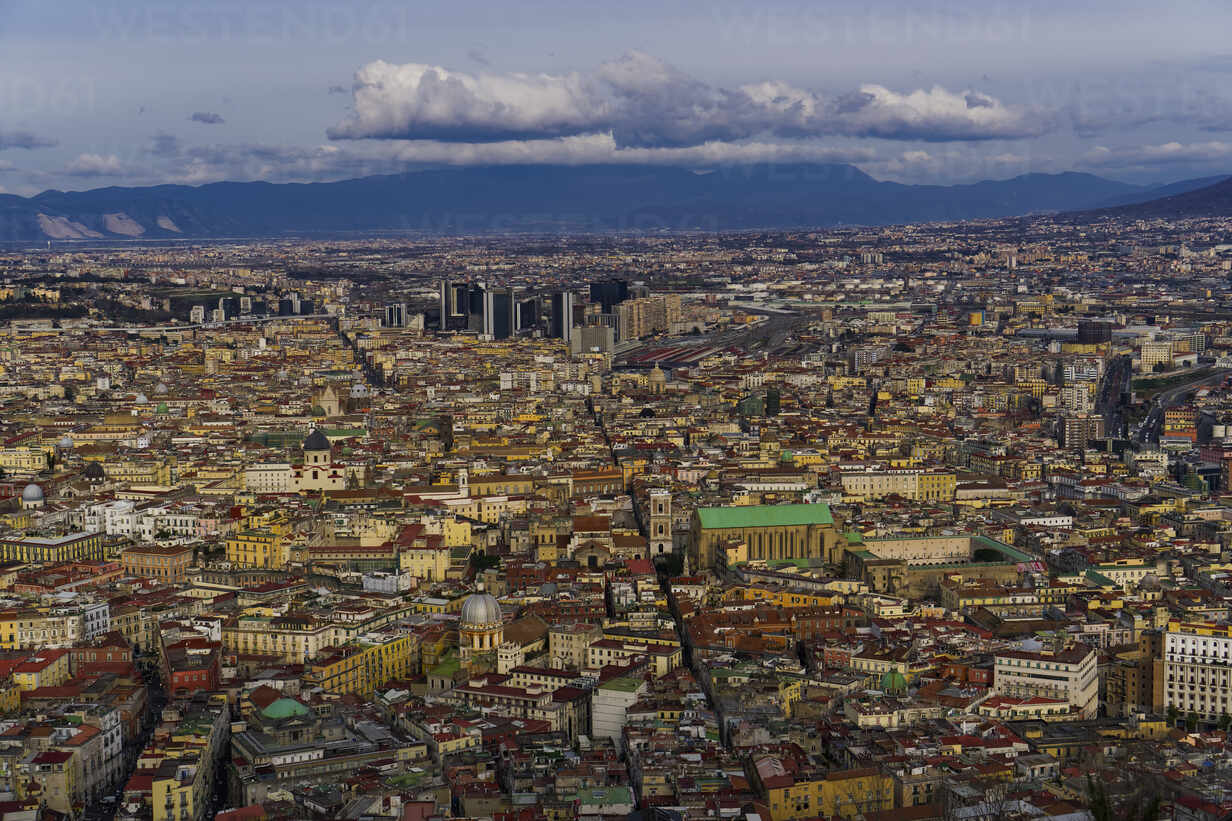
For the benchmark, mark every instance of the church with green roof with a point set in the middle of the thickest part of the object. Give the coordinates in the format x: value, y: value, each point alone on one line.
x: 725, y: 535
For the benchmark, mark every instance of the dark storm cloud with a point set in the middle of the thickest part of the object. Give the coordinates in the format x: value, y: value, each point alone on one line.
x: 24, y: 139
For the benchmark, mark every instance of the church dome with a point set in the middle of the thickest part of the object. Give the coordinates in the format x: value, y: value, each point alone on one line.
x: 161, y: 388
x: 657, y: 376
x: 142, y: 399
x: 65, y: 443
x: 32, y: 493
x: 479, y: 611
x: 316, y: 441
x: 94, y: 470
x: 893, y: 681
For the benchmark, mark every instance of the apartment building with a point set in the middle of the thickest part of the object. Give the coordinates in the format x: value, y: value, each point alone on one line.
x: 919, y: 485
x: 165, y: 562
x: 1197, y: 675
x: 1070, y: 675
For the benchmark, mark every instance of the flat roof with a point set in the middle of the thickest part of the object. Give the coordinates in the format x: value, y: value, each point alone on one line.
x: 719, y: 518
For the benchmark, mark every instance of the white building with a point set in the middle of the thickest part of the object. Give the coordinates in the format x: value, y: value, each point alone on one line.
x: 1071, y: 675
x: 1197, y: 659
x: 609, y: 704
x: 269, y: 477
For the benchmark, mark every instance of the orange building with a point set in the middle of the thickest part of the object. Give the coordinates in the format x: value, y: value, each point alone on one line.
x: 166, y: 563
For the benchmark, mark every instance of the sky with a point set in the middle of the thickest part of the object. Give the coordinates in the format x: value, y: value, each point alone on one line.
x: 109, y: 92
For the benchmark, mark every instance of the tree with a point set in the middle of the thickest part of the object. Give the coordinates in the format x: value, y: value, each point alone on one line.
x: 481, y: 561
x: 671, y: 564
x: 1141, y: 806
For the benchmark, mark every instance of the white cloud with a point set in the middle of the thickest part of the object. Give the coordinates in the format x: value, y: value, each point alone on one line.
x: 603, y: 149
x: 432, y: 102
x: 95, y: 165
x: 645, y: 103
x: 954, y: 165
x: 1163, y: 154
x: 936, y: 115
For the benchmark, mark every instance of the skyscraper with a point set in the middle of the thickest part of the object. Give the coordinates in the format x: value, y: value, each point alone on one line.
x: 609, y: 293
x: 561, y: 325
x: 395, y: 315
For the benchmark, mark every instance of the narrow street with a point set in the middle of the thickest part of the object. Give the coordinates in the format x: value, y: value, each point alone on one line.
x: 156, y: 700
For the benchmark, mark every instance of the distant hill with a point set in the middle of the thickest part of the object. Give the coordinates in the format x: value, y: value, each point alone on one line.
x: 1209, y: 201
x: 540, y: 198
x: 1161, y: 191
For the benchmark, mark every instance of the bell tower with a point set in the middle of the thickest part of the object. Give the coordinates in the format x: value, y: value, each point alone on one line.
x: 660, y: 522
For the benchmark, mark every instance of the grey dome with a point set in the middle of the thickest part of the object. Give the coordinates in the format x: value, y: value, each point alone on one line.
x: 480, y: 610
x: 316, y: 441
x: 32, y: 493
x: 161, y: 388
x: 141, y: 399
x: 65, y: 443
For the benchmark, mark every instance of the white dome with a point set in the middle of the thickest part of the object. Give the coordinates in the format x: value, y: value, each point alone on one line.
x: 65, y: 442
x: 141, y: 399
x: 161, y: 388
x: 480, y: 610
x: 32, y: 493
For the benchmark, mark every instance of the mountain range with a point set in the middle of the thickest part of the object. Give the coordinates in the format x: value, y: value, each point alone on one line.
x: 541, y: 198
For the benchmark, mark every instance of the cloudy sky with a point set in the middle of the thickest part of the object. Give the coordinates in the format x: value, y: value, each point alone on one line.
x: 109, y: 92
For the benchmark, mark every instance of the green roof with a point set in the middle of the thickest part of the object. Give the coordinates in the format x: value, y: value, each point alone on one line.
x: 722, y: 518
x: 1011, y: 553
x: 284, y: 708
x: 448, y: 666
x: 1100, y: 579
x: 624, y: 684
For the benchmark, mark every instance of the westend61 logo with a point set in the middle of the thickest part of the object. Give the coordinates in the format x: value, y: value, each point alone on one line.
x: 904, y: 24
x: 25, y: 96
x: 257, y: 23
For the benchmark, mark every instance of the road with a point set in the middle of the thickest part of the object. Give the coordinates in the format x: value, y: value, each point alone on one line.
x: 156, y: 699
x: 1153, y: 425
x: 1112, y: 389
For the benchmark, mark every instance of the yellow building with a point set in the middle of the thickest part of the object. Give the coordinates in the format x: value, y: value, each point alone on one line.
x: 23, y: 460
x: 841, y: 794
x: 364, y: 666
x: 423, y: 555
x: 914, y: 484
x: 46, y: 669
x: 10, y: 697
x: 53, y: 549
x: 134, y: 472
x: 257, y: 548
x: 293, y: 638
x: 181, y: 789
